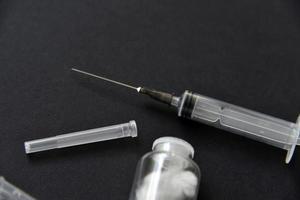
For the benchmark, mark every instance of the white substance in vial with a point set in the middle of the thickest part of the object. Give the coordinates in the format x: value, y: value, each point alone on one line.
x: 169, y: 185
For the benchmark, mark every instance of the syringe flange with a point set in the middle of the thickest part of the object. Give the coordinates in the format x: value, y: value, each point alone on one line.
x: 295, y: 141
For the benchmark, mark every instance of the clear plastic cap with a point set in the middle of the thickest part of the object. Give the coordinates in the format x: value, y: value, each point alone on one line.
x: 83, y: 137
x: 174, y: 145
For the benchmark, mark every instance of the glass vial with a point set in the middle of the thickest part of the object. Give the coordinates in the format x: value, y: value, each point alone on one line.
x: 167, y: 173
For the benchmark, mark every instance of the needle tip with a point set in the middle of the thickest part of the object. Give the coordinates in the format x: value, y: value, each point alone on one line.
x: 138, y: 89
x: 106, y: 79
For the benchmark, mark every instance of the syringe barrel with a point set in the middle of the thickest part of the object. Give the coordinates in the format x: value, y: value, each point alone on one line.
x: 255, y: 125
x: 82, y: 137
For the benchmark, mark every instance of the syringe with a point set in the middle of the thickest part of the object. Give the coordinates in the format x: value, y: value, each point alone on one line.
x: 248, y: 123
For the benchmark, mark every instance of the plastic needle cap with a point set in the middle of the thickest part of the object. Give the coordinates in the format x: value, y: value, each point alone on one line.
x: 82, y: 137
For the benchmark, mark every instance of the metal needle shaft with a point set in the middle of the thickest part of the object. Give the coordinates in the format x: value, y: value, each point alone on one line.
x: 157, y: 95
x: 106, y: 79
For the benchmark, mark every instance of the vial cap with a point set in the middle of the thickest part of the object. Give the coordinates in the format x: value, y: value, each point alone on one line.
x: 164, y: 143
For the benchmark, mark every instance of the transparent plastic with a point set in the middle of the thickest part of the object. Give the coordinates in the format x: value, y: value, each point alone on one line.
x: 167, y: 173
x: 261, y: 127
x: 82, y: 137
x: 11, y: 192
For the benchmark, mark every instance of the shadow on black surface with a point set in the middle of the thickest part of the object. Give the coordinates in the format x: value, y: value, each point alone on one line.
x: 4, y: 9
x: 296, y: 6
x: 163, y: 110
x: 171, y: 113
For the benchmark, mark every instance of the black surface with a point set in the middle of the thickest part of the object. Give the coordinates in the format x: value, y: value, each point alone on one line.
x: 245, y: 52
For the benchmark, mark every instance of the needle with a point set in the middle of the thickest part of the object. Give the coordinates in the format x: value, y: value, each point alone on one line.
x: 157, y: 95
x: 106, y: 79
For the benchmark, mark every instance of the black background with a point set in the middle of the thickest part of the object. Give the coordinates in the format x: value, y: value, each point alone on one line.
x: 245, y: 52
